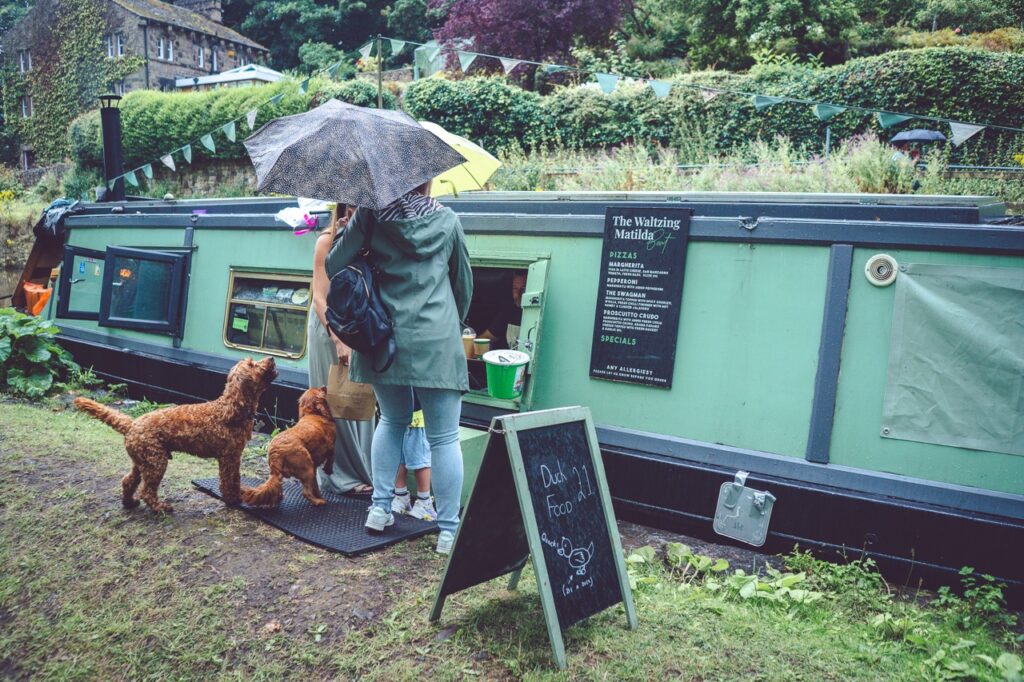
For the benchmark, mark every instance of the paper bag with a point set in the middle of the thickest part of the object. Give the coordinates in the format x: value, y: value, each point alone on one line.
x: 349, y: 399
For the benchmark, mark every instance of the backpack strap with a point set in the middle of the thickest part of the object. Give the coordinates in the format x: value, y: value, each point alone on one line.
x: 364, y: 250
x: 392, y: 349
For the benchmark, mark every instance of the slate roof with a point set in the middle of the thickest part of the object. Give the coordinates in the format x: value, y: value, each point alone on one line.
x: 183, y: 18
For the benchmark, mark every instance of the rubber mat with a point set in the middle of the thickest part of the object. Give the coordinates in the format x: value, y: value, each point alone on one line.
x: 337, y: 525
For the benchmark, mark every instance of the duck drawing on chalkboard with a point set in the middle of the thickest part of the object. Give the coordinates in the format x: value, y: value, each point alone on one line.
x: 578, y: 557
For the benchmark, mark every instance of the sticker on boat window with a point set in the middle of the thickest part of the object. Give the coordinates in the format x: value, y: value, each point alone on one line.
x: 240, y: 323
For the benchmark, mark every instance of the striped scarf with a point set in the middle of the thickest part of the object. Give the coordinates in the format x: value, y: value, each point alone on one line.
x: 409, y: 205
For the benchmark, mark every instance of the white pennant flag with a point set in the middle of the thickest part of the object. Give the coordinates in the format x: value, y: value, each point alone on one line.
x: 366, y: 49
x: 708, y: 94
x: 250, y: 118
x: 397, y: 46
x: 509, y: 64
x: 466, y: 59
x: 168, y: 161
x: 963, y: 132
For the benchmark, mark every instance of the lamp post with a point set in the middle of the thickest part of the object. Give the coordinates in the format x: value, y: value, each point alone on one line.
x: 113, y: 162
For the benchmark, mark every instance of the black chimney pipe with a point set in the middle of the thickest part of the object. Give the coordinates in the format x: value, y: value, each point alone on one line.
x: 113, y: 161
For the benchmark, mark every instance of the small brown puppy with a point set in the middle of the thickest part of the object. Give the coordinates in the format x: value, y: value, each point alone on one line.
x: 217, y: 430
x: 297, y: 452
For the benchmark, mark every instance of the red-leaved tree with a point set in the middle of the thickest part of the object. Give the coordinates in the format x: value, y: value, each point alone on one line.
x: 527, y: 29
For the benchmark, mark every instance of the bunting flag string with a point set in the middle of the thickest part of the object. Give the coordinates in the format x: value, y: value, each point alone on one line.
x: 607, y: 81
x: 466, y: 60
x: 824, y: 111
x: 887, y: 119
x: 962, y: 132
x: 508, y: 64
x: 708, y: 94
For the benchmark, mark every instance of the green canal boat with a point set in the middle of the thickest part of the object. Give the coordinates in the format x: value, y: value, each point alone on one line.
x: 860, y: 356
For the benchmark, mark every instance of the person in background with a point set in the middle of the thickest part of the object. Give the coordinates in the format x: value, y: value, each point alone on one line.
x: 351, y: 471
x: 501, y: 324
x: 415, y: 458
x: 426, y: 283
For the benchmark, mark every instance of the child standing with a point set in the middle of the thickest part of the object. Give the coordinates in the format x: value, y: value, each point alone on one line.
x: 415, y: 458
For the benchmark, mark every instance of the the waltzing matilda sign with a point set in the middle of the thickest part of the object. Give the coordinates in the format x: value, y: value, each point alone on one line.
x: 541, y: 493
x: 640, y: 289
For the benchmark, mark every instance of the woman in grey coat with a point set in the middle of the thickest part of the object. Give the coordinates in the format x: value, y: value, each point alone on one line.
x: 426, y: 283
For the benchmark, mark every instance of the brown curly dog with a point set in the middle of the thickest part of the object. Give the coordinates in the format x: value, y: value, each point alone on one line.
x: 297, y: 452
x: 216, y: 430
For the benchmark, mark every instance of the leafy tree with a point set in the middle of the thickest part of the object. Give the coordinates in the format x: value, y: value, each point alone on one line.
x: 970, y: 15
x: 12, y: 11
x: 409, y: 20
x: 715, y: 40
x: 802, y: 27
x: 528, y: 29
x: 318, y: 56
x: 656, y: 29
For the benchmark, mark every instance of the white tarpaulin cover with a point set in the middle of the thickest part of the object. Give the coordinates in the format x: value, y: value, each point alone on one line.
x: 956, y: 358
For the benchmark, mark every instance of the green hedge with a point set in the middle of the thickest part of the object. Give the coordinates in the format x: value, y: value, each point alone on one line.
x: 965, y: 84
x: 154, y: 123
x: 970, y: 85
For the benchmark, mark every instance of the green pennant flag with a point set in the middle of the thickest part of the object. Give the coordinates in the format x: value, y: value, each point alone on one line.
x: 229, y: 130
x: 131, y: 179
x: 826, y: 111
x: 303, y: 85
x: 466, y: 59
x: 887, y: 120
x: 147, y: 170
x: 333, y: 69
x: 554, y: 68
x: 661, y: 88
x: 186, y: 151
x: 277, y: 98
x: 207, y: 141
x: 397, y: 46
x: 762, y: 102
x: 111, y: 182
x: 607, y: 82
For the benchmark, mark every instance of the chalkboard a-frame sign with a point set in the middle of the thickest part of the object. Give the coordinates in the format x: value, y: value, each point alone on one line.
x: 541, y: 493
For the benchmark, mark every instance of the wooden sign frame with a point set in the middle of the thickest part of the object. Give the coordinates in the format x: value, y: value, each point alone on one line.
x: 503, y: 459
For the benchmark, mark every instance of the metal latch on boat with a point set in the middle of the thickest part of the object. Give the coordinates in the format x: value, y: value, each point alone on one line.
x: 743, y: 513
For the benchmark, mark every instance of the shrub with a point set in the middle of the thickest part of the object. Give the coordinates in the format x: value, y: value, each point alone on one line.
x: 490, y: 111
x: 85, y: 139
x: 360, y: 92
x: 30, y: 358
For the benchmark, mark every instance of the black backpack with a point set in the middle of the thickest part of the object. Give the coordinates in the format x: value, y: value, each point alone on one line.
x: 355, y: 310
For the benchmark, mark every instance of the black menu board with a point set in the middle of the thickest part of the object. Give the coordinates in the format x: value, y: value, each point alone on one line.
x: 642, y: 263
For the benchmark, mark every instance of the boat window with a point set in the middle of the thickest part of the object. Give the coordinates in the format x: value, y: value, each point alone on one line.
x: 142, y: 289
x: 81, y: 283
x: 268, y: 313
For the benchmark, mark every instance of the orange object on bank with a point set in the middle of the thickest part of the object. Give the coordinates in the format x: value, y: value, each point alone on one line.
x: 36, y: 297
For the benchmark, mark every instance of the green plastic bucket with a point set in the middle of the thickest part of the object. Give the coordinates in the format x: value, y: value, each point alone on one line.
x: 506, y: 373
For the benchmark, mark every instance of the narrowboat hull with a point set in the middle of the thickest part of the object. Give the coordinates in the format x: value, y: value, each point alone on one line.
x: 780, y: 369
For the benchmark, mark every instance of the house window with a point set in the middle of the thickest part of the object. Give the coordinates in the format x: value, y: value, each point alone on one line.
x: 165, y: 50
x: 143, y: 289
x: 120, y: 45
x: 243, y: 59
x: 267, y: 313
x: 202, y: 57
x: 109, y: 41
x: 26, y: 106
x: 120, y: 88
x: 213, y: 59
x: 24, y: 61
x: 81, y: 282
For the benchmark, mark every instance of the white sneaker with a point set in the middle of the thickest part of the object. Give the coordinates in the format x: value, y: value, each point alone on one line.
x: 378, y: 519
x: 445, y: 539
x: 400, y: 504
x: 423, y: 509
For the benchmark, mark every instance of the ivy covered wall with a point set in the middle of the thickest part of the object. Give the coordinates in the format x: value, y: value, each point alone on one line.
x: 69, y: 72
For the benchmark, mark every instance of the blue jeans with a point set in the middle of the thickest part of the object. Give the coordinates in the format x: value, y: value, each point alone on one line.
x: 441, y: 410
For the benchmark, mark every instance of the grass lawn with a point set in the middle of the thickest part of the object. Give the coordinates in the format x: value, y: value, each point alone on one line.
x: 89, y: 590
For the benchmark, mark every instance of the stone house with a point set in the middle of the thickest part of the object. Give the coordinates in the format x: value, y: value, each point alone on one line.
x: 179, y: 39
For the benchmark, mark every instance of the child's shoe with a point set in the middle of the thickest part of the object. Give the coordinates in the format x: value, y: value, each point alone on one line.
x: 400, y: 504
x: 423, y: 509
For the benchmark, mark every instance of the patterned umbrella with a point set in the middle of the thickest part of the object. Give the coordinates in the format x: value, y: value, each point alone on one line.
x: 344, y: 153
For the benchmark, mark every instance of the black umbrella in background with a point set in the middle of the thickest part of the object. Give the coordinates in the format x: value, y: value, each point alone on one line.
x: 919, y: 135
x: 349, y: 154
